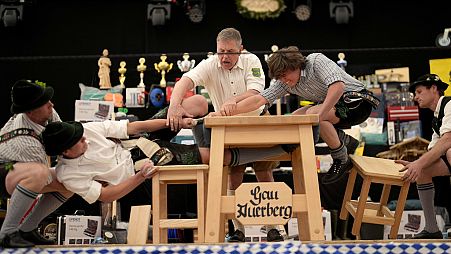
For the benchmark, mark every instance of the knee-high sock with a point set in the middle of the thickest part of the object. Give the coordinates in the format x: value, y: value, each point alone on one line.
x: 242, y: 156
x: 21, y: 200
x: 48, y: 203
x: 341, y: 153
x: 426, y: 194
x: 236, y: 224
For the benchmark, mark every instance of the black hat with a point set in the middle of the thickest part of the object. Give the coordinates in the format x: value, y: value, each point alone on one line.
x: 428, y: 80
x: 60, y: 136
x: 26, y: 96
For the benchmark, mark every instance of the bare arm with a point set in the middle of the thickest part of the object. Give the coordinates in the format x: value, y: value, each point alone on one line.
x: 115, y: 192
x: 151, y: 125
x: 334, y: 93
x: 249, y: 104
x: 175, y: 111
x: 229, y: 106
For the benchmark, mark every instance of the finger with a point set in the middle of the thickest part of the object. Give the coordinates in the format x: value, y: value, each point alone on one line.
x: 403, y: 169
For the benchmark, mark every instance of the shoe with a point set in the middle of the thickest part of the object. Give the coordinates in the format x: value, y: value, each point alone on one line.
x: 351, y: 144
x: 336, y: 171
x: 15, y: 240
x: 289, y: 148
x: 36, y: 238
x: 236, y: 236
x: 426, y: 235
x: 274, y: 236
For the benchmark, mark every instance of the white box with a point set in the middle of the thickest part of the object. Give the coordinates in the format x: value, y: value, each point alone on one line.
x: 412, y: 222
x: 77, y: 229
x: 293, y: 227
x: 88, y: 111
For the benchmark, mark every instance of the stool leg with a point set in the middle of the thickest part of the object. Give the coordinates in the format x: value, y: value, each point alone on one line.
x: 200, y: 206
x: 384, y: 198
x: 361, y: 206
x: 156, y: 209
x: 348, y: 194
x: 399, y: 209
x: 164, y: 210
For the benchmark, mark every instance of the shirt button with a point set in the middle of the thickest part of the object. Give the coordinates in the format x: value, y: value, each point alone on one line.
x: 231, y: 82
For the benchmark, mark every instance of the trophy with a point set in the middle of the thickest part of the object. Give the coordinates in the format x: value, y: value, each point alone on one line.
x: 341, y: 61
x: 141, y: 68
x: 122, y: 70
x: 186, y: 65
x: 210, y: 54
x: 163, y: 67
x: 274, y: 48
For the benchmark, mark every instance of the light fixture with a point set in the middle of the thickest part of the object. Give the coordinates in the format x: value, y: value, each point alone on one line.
x: 303, y: 11
x: 159, y: 12
x: 195, y: 10
x: 341, y: 11
x: 444, y: 39
x: 11, y: 11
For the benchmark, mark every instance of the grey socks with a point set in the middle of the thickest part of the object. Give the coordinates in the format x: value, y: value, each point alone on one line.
x: 21, y: 200
x: 341, y: 153
x: 426, y: 194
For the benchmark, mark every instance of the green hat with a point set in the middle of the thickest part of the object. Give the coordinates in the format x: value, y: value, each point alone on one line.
x: 26, y: 96
x: 60, y: 136
x: 428, y: 80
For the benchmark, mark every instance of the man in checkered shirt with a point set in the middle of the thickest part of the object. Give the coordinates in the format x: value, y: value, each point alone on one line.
x: 24, y: 169
x: 318, y: 79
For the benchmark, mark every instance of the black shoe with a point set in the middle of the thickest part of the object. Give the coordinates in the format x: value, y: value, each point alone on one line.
x: 274, y: 236
x: 426, y: 235
x: 351, y: 144
x: 15, y: 240
x: 336, y: 171
x: 36, y: 238
x: 236, y: 236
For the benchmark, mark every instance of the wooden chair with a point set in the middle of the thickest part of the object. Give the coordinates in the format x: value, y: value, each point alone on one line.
x: 177, y: 174
x: 374, y: 170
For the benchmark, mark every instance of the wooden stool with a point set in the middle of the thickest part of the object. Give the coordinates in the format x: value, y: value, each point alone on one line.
x: 177, y: 174
x: 374, y: 170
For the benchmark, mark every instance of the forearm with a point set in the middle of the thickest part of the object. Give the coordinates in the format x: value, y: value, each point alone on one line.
x: 115, y: 192
x: 180, y: 89
x: 334, y: 94
x: 250, y: 104
x: 245, y: 95
x: 151, y: 125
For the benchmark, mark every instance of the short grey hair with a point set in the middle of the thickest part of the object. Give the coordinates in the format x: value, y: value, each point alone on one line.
x: 228, y: 34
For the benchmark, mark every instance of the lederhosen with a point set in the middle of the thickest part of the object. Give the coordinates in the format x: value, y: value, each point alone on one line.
x: 7, y: 165
x: 437, y: 123
x: 354, y: 107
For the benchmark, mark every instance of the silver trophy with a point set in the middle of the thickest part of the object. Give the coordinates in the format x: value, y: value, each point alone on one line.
x: 186, y: 65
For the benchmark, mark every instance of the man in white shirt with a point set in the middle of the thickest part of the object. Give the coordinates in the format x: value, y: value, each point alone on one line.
x: 429, y: 93
x: 230, y: 76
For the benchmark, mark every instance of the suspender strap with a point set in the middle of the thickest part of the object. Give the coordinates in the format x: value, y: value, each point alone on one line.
x: 437, y: 121
x: 20, y: 132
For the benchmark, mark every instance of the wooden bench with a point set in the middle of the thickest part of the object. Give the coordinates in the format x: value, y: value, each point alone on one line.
x: 374, y: 170
x: 177, y: 174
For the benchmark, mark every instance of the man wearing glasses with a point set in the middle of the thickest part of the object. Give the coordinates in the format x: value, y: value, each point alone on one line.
x: 230, y: 76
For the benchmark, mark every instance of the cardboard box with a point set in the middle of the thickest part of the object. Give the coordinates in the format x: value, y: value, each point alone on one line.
x: 87, y: 111
x: 412, y: 222
x: 76, y: 229
x: 293, y: 227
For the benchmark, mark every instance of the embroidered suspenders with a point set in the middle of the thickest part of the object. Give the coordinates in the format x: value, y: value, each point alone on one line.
x: 19, y: 132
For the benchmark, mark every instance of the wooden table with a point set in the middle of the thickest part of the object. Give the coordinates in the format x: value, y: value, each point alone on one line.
x: 254, y: 131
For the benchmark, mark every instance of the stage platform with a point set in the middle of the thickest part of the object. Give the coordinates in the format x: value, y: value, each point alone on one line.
x: 371, y: 247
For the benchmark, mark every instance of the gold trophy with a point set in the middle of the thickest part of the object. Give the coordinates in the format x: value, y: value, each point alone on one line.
x: 186, y: 65
x: 163, y: 67
x: 141, y: 68
x: 122, y: 70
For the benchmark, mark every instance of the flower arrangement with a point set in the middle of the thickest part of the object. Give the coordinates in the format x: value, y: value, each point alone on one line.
x: 260, y: 9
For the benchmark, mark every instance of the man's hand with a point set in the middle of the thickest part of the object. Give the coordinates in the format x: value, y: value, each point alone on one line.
x: 412, y: 170
x: 188, y: 123
x: 148, y: 170
x: 213, y: 114
x: 228, y: 107
x: 175, y: 115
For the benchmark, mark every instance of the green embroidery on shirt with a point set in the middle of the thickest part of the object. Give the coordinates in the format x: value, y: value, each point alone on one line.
x: 9, y: 166
x: 256, y: 72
